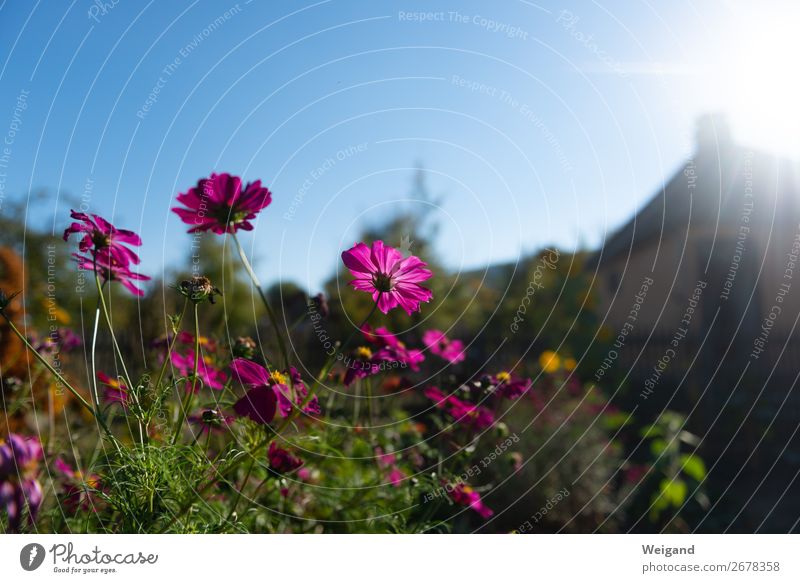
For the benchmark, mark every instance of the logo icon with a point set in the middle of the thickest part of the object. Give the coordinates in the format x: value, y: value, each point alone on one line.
x: 31, y: 556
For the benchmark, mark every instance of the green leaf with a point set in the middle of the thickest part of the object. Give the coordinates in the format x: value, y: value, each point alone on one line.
x: 651, y: 431
x: 617, y: 420
x: 673, y: 491
x: 658, y: 446
x: 693, y: 466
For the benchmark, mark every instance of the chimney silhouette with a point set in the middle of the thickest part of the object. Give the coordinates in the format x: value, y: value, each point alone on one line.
x: 713, y: 133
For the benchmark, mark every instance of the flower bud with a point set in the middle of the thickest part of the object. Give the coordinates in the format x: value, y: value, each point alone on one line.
x: 321, y: 305
x: 198, y: 289
x: 244, y: 347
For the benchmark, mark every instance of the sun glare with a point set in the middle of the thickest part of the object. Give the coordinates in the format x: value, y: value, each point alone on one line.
x: 761, y: 86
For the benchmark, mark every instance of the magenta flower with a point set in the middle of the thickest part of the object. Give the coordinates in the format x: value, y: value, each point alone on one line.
x: 510, y: 386
x: 103, y: 248
x: 281, y: 461
x: 464, y: 495
x: 469, y: 414
x: 220, y: 205
x: 385, y: 352
x: 78, y: 489
x: 115, y: 390
x: 210, y: 376
x: 361, y: 365
x: 439, y: 344
x: 391, y: 348
x: 461, y: 411
x: 388, y: 461
x: 19, y: 487
x: 109, y: 269
x: 100, y: 235
x: 59, y: 340
x: 392, y: 280
x: 270, y: 392
x: 211, y: 421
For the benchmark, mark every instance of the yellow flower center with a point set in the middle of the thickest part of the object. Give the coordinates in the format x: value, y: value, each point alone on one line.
x: 278, y: 378
x: 503, y: 376
x: 363, y: 353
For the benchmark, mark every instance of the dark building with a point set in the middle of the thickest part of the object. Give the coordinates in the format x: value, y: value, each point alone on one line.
x: 701, y: 290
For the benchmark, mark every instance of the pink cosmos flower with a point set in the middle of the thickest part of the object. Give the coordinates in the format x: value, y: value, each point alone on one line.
x: 19, y: 486
x: 388, y: 461
x: 115, y: 390
x: 391, y: 279
x: 219, y: 204
x: 391, y: 348
x: 78, y: 490
x: 461, y: 411
x: 510, y: 386
x: 469, y: 414
x: 100, y: 235
x: 109, y: 269
x: 103, y: 247
x: 270, y: 392
x: 210, y: 376
x: 464, y: 495
x: 439, y: 344
x: 59, y: 340
x: 281, y: 461
x: 361, y: 365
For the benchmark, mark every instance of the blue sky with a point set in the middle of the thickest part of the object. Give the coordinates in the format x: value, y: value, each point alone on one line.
x: 536, y: 125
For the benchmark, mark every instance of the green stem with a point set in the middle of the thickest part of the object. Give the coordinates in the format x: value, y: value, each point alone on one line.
x: 235, y: 463
x: 326, y: 368
x: 171, y: 345
x: 270, y: 313
x: 184, y: 405
x: 241, y: 489
x: 357, y: 403
x: 107, y: 316
x: 57, y: 375
x: 370, y: 411
x: 94, y: 347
